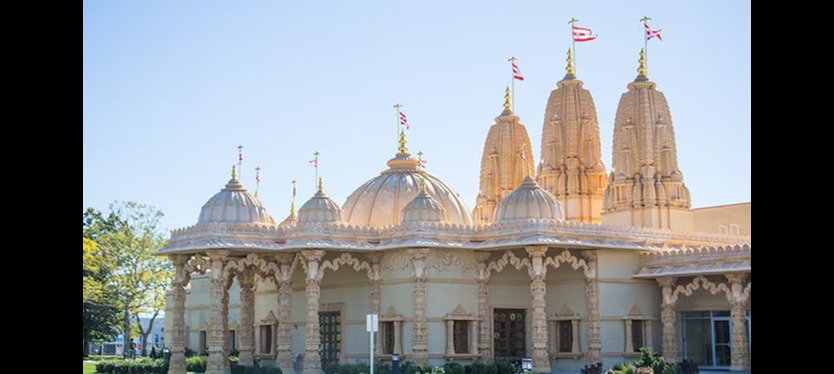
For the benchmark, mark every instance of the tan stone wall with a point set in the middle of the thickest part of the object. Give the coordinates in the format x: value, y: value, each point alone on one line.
x: 711, y: 218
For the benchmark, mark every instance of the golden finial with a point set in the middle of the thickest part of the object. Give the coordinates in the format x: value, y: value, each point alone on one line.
x: 507, y: 99
x: 423, y: 187
x: 403, y: 147
x: 321, y: 185
x: 234, y: 173
x: 570, y: 69
x: 292, y: 209
x: 642, y: 68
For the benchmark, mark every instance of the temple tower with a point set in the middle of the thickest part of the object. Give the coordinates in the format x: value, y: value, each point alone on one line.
x: 645, y: 186
x: 507, y: 159
x: 571, y: 167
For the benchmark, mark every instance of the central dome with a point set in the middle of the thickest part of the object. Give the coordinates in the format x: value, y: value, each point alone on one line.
x: 381, y: 200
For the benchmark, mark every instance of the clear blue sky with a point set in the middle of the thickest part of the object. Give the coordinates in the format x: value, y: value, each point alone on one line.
x: 171, y: 88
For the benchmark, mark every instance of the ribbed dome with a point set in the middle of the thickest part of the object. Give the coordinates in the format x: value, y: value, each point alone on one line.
x: 529, y: 201
x: 234, y: 204
x: 423, y: 208
x: 320, y: 208
x: 381, y: 200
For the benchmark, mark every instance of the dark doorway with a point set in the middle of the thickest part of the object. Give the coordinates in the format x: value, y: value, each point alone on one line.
x: 509, y: 334
x: 330, y: 325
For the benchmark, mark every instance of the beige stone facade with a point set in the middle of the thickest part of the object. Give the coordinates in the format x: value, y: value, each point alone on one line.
x: 533, y: 273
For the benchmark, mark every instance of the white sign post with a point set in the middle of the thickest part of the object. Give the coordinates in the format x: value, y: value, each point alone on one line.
x: 371, y: 325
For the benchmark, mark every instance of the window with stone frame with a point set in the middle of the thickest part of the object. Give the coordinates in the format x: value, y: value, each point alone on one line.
x: 638, y: 330
x: 266, y: 335
x: 389, y: 335
x: 461, y: 334
x: 564, y: 333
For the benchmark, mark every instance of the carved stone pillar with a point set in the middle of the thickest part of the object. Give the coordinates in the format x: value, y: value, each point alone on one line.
x: 312, y: 355
x: 283, y: 346
x: 450, y: 341
x: 216, y: 336
x: 419, y: 335
x: 738, y: 312
x: 592, y: 304
x: 374, y: 278
x: 225, y: 319
x: 482, y: 274
x: 246, y: 331
x: 179, y: 333
x: 629, y: 345
x: 668, y: 317
x: 537, y: 272
x: 473, y: 337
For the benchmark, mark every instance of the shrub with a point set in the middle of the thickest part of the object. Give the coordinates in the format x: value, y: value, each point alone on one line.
x: 453, y: 368
x: 688, y: 367
x: 132, y: 366
x: 196, y: 364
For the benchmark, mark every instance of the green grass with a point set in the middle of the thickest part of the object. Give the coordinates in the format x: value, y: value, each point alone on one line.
x: 89, y: 368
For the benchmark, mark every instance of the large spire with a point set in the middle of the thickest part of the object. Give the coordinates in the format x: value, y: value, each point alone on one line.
x: 502, y: 167
x: 645, y: 187
x: 571, y: 167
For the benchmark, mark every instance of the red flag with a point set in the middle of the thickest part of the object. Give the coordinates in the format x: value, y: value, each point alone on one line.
x: 404, y: 121
x: 314, y: 162
x: 516, y: 72
x: 652, y: 33
x: 582, y: 34
x: 293, y: 190
x: 421, y: 163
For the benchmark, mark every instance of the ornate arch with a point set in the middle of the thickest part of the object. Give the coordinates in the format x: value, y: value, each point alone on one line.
x: 346, y: 259
x: 509, y: 258
x: 568, y: 258
x: 701, y: 282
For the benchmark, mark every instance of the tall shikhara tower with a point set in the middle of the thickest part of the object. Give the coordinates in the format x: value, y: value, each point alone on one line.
x: 645, y: 187
x: 572, y: 168
x: 502, y: 165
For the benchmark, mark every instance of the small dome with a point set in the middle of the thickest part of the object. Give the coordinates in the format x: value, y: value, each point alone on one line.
x: 423, y: 208
x: 529, y: 201
x: 234, y: 204
x: 320, y: 208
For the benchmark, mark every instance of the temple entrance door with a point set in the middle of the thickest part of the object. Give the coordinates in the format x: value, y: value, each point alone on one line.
x: 509, y: 334
x: 330, y: 325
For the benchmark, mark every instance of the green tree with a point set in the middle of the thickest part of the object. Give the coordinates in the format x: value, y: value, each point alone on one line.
x: 100, y: 314
x: 126, y: 239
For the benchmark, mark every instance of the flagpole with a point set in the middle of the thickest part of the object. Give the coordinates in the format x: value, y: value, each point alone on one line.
x: 257, y: 180
x: 240, y: 162
x: 645, y: 21
x: 572, y: 23
x: 397, y: 107
x: 316, y: 153
x: 512, y: 82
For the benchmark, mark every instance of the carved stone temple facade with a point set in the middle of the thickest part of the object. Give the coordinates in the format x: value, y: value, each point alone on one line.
x: 568, y: 267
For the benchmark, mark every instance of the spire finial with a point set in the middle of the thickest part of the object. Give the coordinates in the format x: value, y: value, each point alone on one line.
x: 403, y: 148
x: 569, y: 69
x: 423, y: 187
x: 292, y: 209
x: 642, y: 68
x: 321, y: 185
x: 234, y: 172
x: 507, y: 98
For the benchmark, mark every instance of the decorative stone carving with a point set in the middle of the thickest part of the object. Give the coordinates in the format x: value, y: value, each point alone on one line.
x: 591, y: 300
x: 246, y: 331
x: 738, y: 312
x: 374, y: 279
x: 283, y: 272
x: 419, y: 335
x: 537, y: 272
x: 481, y: 274
x: 460, y: 314
x: 668, y: 317
x: 392, y: 315
x: 312, y: 356
x: 566, y: 314
x: 216, y: 335
x: 179, y: 333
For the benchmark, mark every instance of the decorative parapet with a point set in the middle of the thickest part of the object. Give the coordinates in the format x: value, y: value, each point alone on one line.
x: 695, y: 261
x: 340, y: 236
